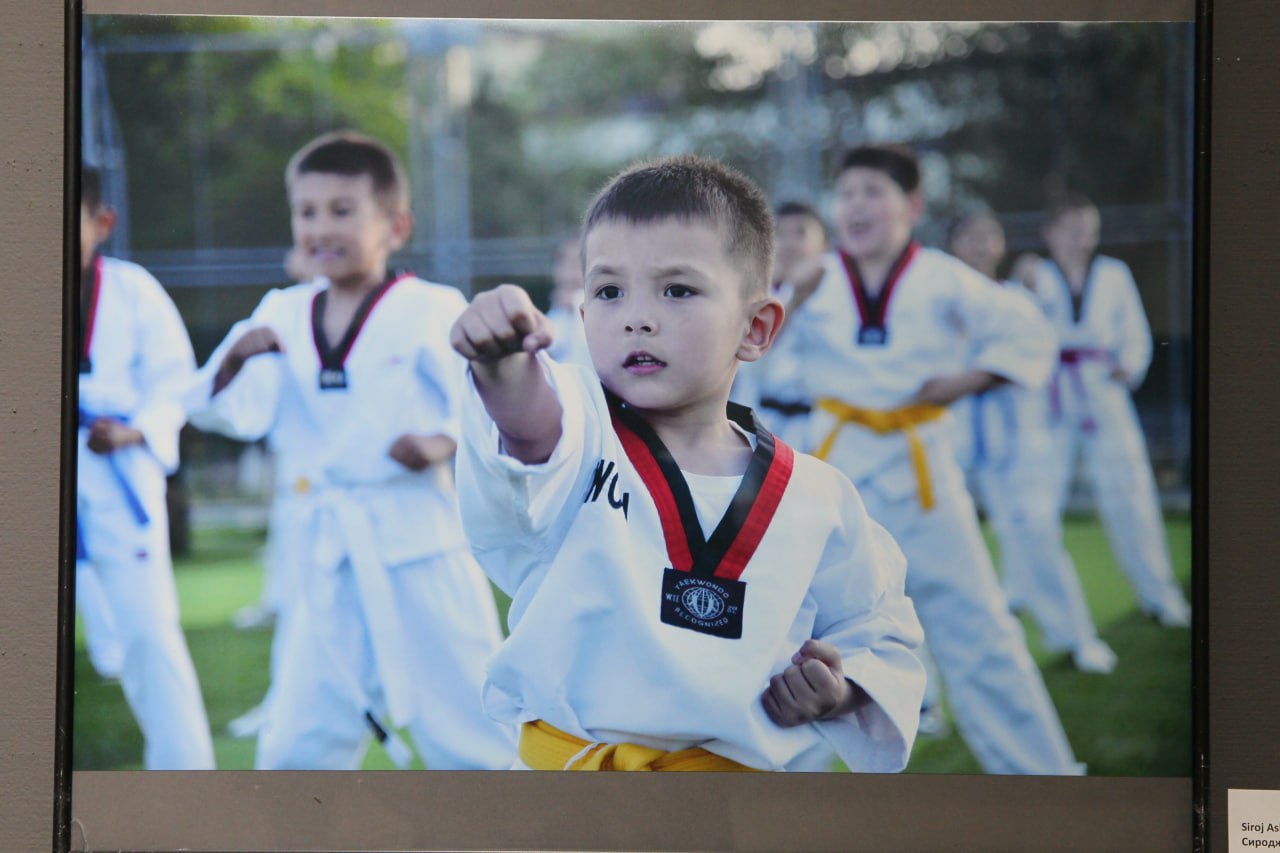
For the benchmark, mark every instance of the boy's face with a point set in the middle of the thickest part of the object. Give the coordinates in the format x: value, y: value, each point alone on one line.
x: 1073, y: 236
x: 340, y: 230
x: 95, y: 228
x: 980, y: 244
x: 797, y: 237
x: 666, y: 313
x: 874, y: 217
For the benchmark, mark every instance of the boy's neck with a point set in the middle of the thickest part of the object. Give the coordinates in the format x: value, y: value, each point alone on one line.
x: 1075, y: 270
x: 357, y: 287
x: 874, y: 269
x: 702, y: 440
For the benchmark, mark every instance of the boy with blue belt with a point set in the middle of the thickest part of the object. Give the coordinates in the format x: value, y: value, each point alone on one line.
x: 135, y: 358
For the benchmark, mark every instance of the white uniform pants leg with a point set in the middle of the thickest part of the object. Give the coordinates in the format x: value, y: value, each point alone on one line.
x: 1036, y: 566
x: 998, y: 699
x: 452, y: 628
x: 323, y: 682
x: 106, y: 652
x: 132, y: 566
x: 1125, y: 490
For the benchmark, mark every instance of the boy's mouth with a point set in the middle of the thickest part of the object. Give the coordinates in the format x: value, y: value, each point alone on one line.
x: 642, y: 363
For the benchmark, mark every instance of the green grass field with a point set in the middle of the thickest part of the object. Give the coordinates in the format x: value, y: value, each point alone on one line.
x: 1133, y: 722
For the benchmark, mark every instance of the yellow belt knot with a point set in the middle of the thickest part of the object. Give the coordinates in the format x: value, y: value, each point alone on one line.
x: 884, y: 421
x: 545, y: 747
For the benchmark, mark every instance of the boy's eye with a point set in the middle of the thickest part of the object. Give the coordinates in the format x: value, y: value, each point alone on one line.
x: 608, y: 291
x: 679, y: 291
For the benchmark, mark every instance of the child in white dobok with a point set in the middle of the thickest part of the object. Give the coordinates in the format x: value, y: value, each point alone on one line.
x: 1105, y: 340
x: 688, y: 593
x: 135, y: 359
x: 882, y: 329
x: 351, y: 378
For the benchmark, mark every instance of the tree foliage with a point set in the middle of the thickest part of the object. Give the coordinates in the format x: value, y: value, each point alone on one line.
x: 1008, y: 113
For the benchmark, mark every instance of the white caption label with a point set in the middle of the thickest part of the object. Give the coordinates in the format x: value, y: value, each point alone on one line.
x: 1254, y: 820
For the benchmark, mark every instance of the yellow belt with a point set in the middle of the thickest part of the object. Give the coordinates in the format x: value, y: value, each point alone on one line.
x: 544, y: 747
x: 904, y: 419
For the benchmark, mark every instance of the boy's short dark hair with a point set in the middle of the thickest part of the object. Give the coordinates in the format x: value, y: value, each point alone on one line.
x: 349, y: 153
x: 690, y: 187
x: 1068, y: 202
x: 896, y: 161
x: 799, y: 208
x: 90, y: 187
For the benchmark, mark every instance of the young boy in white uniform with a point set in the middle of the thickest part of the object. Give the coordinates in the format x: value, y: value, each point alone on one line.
x: 1011, y: 456
x: 688, y: 593
x: 135, y: 357
x: 774, y: 385
x: 882, y: 333
x: 1093, y: 304
x: 351, y: 378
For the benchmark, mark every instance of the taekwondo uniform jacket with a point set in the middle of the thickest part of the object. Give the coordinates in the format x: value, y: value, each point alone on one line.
x: 1008, y: 423
x: 935, y: 315
x: 139, y: 360
x: 1108, y: 329
x: 136, y: 360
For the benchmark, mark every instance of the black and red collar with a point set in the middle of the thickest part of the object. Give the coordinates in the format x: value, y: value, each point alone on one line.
x: 727, y: 551
x: 335, y: 357
x: 873, y: 309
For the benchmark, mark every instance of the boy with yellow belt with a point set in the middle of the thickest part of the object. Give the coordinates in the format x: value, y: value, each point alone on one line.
x: 884, y: 327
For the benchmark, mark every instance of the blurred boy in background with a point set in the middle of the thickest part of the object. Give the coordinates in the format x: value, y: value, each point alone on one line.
x: 1094, y: 305
x: 135, y: 358
x: 351, y: 378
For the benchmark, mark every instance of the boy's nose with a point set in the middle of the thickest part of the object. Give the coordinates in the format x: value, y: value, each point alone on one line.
x: 642, y: 327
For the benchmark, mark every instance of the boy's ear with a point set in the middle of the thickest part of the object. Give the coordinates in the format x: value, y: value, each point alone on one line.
x: 762, y: 329
x: 401, y: 228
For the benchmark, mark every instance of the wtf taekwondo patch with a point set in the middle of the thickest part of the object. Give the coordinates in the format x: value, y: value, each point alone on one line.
x: 701, y: 591
x: 711, y: 605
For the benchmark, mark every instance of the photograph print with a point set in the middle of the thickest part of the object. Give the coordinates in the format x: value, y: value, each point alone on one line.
x: 744, y: 396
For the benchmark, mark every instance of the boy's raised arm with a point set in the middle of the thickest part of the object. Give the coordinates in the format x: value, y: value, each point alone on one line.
x: 499, y: 334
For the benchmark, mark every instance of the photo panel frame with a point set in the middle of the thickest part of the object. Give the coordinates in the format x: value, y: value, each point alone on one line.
x: 390, y: 811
